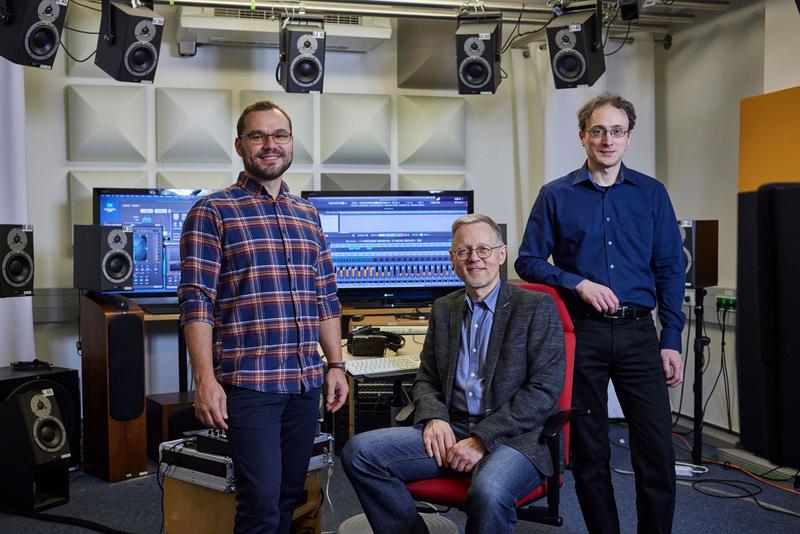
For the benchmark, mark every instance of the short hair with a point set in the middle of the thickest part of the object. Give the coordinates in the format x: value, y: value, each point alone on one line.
x: 605, y: 99
x: 262, y: 105
x: 474, y: 218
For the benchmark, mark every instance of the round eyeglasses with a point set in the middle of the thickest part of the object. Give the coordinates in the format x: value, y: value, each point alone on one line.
x: 260, y: 138
x: 483, y: 251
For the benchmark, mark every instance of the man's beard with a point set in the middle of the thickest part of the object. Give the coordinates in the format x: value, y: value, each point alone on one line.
x: 267, y: 174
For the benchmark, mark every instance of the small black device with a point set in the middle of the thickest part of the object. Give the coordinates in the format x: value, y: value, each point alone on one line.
x: 371, y: 341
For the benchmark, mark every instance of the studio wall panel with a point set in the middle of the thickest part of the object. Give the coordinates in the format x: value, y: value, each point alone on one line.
x: 412, y: 182
x: 106, y: 123
x: 82, y: 182
x: 431, y: 130
x: 299, y: 181
x: 194, y: 125
x: 355, y: 182
x: 300, y: 108
x: 355, y: 129
x: 82, y: 45
x: 194, y: 179
x: 425, y: 54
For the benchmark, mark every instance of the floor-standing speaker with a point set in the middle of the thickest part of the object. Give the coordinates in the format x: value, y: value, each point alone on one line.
x: 64, y: 383
x: 767, y: 316
x: 114, y: 421
x: 34, y: 451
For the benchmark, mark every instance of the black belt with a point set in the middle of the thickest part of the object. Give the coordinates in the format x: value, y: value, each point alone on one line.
x: 628, y: 311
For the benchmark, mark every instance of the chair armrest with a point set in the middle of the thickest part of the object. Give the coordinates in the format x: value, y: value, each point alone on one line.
x: 405, y: 417
x: 554, y: 424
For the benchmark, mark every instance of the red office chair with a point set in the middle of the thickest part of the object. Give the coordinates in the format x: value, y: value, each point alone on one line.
x: 452, y: 492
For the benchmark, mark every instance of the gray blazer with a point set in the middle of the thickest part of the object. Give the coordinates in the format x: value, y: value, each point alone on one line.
x: 525, y: 367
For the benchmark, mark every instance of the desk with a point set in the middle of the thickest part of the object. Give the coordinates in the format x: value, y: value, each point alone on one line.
x: 183, y: 367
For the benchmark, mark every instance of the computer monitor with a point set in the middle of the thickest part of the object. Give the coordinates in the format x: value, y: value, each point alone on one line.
x: 391, y: 247
x: 157, y: 217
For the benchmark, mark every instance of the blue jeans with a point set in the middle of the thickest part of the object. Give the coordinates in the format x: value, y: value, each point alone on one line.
x: 380, y: 461
x: 272, y: 436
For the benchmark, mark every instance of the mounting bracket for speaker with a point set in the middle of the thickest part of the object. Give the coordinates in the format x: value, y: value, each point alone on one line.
x: 107, y: 22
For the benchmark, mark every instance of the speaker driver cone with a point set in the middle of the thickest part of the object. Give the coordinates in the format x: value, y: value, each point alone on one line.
x: 306, y: 70
x: 116, y: 265
x: 140, y: 58
x: 569, y: 65
x: 474, y: 72
x: 17, y: 269
x: 49, y: 433
x: 41, y: 40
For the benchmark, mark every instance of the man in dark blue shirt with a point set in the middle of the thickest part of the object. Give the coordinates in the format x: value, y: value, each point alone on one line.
x: 617, y: 254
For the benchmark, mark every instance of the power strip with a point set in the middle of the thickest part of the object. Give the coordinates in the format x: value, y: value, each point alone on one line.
x: 405, y: 330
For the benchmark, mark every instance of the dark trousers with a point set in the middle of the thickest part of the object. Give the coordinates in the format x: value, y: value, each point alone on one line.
x: 627, y: 352
x: 272, y: 436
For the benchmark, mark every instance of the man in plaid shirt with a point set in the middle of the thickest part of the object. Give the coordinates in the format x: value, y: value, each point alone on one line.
x: 257, y: 292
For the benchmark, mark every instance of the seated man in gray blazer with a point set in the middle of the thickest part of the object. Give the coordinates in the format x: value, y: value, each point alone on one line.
x: 491, y: 372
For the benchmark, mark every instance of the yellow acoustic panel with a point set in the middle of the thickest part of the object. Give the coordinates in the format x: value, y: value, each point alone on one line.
x: 768, y: 139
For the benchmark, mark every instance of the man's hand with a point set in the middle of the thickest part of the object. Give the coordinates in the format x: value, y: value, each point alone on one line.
x: 211, y: 403
x: 672, y: 359
x: 597, y: 296
x: 438, y: 438
x: 336, y: 389
x: 465, y: 454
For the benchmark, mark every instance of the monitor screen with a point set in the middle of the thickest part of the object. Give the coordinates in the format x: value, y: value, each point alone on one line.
x: 391, y: 246
x: 157, y: 217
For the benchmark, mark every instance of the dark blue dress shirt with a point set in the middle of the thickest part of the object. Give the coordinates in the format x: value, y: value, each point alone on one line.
x: 625, y: 237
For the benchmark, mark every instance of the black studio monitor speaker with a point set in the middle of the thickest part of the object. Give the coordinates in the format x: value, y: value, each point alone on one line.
x: 30, y: 31
x: 700, y: 252
x: 103, y: 258
x: 576, y: 55
x: 478, y: 44
x: 16, y: 260
x: 129, y: 42
x: 34, y: 451
x: 302, y: 54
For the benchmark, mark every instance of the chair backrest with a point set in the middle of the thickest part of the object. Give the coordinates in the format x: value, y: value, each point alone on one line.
x: 565, y: 401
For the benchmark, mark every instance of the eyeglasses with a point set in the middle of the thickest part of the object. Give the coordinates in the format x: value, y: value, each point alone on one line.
x: 599, y: 132
x: 260, y: 138
x: 465, y: 253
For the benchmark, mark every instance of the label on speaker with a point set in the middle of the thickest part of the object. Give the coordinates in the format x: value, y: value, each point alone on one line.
x: 158, y: 21
x: 574, y: 27
x: 485, y: 36
x: 318, y: 35
x: 62, y: 2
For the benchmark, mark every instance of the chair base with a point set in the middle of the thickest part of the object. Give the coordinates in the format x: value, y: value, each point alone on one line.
x: 436, y: 524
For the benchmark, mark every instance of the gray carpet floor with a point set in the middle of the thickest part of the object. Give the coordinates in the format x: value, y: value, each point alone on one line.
x: 135, y: 506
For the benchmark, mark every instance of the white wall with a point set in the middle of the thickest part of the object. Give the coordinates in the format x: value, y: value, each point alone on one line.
x: 781, y: 43
x: 712, y: 65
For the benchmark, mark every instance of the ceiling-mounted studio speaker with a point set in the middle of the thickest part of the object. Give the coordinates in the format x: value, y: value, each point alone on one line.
x: 576, y: 55
x: 301, y: 66
x: 103, y: 258
x: 478, y: 43
x: 16, y: 260
x: 129, y: 42
x: 30, y: 31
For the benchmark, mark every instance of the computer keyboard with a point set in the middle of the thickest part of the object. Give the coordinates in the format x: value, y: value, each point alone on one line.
x: 405, y: 330
x: 392, y: 365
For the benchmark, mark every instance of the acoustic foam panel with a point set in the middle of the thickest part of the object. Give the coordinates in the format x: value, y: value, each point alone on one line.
x: 355, y: 129
x: 106, y: 123
x: 194, y: 179
x: 414, y: 182
x: 194, y: 125
x: 82, y: 182
x: 431, y: 130
x: 355, y: 182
